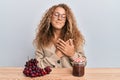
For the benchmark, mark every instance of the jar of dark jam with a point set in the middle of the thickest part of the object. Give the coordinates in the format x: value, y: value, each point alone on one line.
x: 78, y: 69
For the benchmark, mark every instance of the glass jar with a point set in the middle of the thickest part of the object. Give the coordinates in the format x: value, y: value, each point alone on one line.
x: 78, y: 69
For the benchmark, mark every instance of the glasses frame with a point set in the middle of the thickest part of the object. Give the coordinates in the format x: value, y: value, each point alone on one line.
x: 58, y: 15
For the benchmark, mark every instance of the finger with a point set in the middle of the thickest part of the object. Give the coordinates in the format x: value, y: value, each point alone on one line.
x: 61, y: 41
x: 84, y: 59
x: 57, y: 41
x: 71, y: 41
x: 61, y: 44
x: 61, y: 49
x: 67, y: 42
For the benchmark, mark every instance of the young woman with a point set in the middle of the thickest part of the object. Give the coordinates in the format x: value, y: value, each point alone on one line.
x: 58, y: 41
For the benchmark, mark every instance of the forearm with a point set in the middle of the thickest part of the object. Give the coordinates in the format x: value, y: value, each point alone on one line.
x: 46, y: 60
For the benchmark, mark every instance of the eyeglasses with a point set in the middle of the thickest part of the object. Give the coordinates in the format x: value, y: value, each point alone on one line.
x: 57, y: 15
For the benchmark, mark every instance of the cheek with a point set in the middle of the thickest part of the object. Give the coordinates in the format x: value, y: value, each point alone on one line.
x: 63, y: 23
x: 53, y: 22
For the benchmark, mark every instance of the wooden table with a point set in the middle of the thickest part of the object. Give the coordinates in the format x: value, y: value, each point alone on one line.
x: 15, y: 73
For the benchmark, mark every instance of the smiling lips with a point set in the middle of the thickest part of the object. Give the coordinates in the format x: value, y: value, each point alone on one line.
x: 58, y: 22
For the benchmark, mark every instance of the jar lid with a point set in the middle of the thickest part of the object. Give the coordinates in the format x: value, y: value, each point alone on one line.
x: 82, y: 62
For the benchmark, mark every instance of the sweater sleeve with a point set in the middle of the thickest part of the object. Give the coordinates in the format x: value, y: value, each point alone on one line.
x: 46, y: 58
x: 79, y: 54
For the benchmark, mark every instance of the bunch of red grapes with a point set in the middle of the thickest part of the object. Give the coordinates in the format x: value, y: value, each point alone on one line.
x: 32, y: 70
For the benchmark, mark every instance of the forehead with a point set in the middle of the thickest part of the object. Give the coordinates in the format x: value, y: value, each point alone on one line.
x: 60, y: 10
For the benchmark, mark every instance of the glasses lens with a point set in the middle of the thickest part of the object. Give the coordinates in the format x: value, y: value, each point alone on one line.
x: 57, y: 15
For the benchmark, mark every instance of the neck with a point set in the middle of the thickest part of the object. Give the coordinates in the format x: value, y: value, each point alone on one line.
x: 57, y: 34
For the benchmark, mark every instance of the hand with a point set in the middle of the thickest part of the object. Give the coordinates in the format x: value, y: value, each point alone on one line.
x: 66, y: 47
x: 59, y: 53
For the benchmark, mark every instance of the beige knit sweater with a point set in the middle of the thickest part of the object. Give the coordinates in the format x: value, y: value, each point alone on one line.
x: 48, y: 57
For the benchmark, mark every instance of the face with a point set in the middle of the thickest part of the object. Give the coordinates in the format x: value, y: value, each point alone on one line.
x: 58, y: 18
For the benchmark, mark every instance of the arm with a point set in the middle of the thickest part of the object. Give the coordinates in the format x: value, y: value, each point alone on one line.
x: 78, y: 54
x: 46, y: 58
x: 68, y: 49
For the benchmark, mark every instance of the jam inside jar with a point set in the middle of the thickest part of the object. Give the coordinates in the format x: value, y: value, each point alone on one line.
x: 78, y: 69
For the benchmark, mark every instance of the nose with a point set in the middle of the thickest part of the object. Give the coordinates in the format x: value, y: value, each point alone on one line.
x: 59, y: 17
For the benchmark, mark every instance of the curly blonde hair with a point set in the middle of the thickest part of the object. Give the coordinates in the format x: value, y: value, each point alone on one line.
x: 45, y: 35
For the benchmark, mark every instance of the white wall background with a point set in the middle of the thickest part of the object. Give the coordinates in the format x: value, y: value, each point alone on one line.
x: 99, y: 21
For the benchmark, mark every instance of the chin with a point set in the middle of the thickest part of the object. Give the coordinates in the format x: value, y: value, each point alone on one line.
x: 58, y: 27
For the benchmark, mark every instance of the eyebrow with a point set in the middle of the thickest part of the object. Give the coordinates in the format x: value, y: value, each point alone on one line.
x: 59, y: 13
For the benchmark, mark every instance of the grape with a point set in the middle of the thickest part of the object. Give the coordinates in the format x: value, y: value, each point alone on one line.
x: 32, y: 70
x: 47, y: 69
